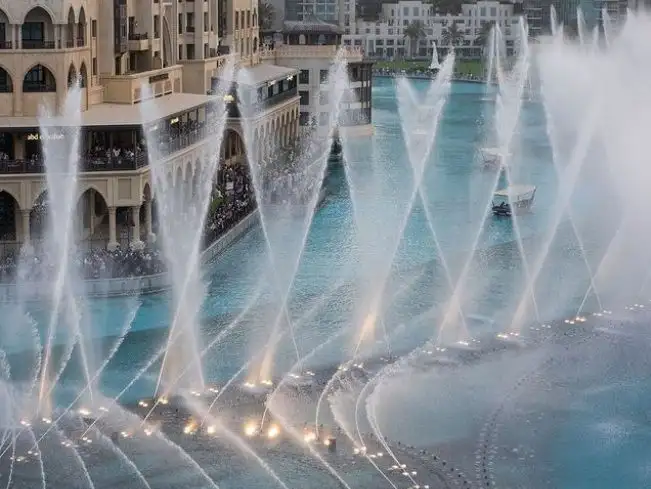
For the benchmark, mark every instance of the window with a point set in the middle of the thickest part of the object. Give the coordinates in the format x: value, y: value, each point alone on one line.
x: 493, y: 12
x: 305, y: 97
x: 156, y: 27
x: 94, y: 68
x: 93, y: 28
x: 304, y: 76
x: 237, y: 20
x: 324, y: 118
x: 323, y: 98
x: 190, y: 51
x: 415, y: 11
x: 323, y: 76
x: 190, y: 22
x: 248, y: 18
x: 33, y: 31
x: 180, y: 51
x: 303, y: 118
x: 180, y: 23
x: 405, y: 11
x: 206, y: 24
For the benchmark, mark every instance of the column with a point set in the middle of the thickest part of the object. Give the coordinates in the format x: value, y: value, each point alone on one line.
x: 25, y: 216
x: 136, y: 243
x: 113, y: 243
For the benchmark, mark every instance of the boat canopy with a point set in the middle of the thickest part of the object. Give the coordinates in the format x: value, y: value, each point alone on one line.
x: 514, y: 193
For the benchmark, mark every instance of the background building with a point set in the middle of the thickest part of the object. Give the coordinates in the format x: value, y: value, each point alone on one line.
x: 394, y: 35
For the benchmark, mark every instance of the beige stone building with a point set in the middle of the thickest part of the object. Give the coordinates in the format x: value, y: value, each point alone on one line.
x: 122, y: 53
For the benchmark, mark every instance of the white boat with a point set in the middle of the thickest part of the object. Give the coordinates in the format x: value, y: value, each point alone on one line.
x: 435, y: 64
x: 513, y: 199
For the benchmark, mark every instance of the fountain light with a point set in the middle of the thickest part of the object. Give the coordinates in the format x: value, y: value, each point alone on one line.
x: 103, y: 409
x: 195, y: 393
x: 310, y: 437
x: 84, y: 412
x: 503, y: 336
x: 25, y: 423
x: 406, y: 474
x: 143, y: 404
x: 580, y: 319
x: 294, y: 376
x: 46, y: 420
x: 413, y: 472
x: 148, y: 432
x: 211, y: 430
x: 380, y: 454
x: 463, y: 343
x: 190, y: 428
x: 310, y: 373
x: 251, y: 429
x: 125, y: 434
x: 267, y: 382
x: 20, y: 458
x: 163, y: 400
x: 249, y: 385
x: 273, y: 432
x: 214, y: 390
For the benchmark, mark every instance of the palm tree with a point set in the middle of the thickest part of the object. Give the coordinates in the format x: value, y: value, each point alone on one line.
x: 267, y: 13
x: 484, y: 35
x: 414, y: 32
x: 452, y: 35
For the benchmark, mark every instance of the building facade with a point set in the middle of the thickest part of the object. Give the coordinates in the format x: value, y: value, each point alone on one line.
x: 123, y: 53
x: 386, y: 38
x: 311, y: 49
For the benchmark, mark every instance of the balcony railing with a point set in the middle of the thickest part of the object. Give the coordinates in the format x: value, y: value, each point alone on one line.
x: 233, y: 109
x: 81, y: 42
x: 168, y: 146
x: 37, y: 87
x: 136, y: 36
x: 5, y: 45
x: 189, y: 28
x: 38, y: 44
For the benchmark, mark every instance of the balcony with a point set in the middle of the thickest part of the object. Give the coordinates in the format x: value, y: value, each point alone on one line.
x: 38, y: 44
x: 6, y: 45
x: 127, y: 88
x: 306, y: 51
x: 138, y: 41
x: 233, y: 108
x: 168, y: 146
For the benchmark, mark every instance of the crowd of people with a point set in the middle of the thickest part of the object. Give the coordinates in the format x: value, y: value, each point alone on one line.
x: 290, y: 175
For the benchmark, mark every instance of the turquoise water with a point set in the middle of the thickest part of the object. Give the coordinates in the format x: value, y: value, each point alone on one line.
x: 457, y: 192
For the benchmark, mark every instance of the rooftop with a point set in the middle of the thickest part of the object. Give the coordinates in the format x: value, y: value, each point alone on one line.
x: 104, y: 115
x: 262, y: 73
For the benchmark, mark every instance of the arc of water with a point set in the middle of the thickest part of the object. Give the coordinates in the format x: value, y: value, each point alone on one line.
x: 337, y: 84
x: 39, y: 456
x: 62, y: 178
x: 123, y: 456
x: 607, y: 26
x: 77, y: 457
x: 553, y: 138
x: 335, y: 377
x: 567, y: 184
x: 417, y: 156
x: 190, y: 280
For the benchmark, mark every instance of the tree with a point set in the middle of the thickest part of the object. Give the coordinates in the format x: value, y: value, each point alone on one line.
x: 414, y: 32
x: 484, y: 35
x: 267, y: 14
x: 452, y: 35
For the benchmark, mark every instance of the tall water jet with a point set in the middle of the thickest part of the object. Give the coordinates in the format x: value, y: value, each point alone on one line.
x: 288, y: 184
x: 182, y: 205
x: 60, y: 143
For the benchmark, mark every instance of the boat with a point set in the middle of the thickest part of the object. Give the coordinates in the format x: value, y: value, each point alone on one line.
x: 513, y: 199
x: 492, y: 158
x: 435, y: 64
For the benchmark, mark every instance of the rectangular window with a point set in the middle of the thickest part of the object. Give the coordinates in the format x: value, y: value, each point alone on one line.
x: 93, y: 28
x: 94, y: 63
x: 304, y: 76
x: 304, y: 118
x: 180, y: 51
x: 323, y: 98
x: 206, y: 24
x: 305, y: 97
x: 323, y: 76
x: 190, y: 22
x: 180, y: 23
x: 324, y: 118
x: 156, y: 27
x: 190, y: 51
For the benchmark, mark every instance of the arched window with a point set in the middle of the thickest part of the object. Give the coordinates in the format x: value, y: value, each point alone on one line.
x: 83, y: 76
x: 39, y: 79
x: 248, y: 19
x: 70, y: 29
x: 81, y: 28
x: 255, y: 18
x: 37, y: 31
x: 6, y: 84
x: 72, y: 76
